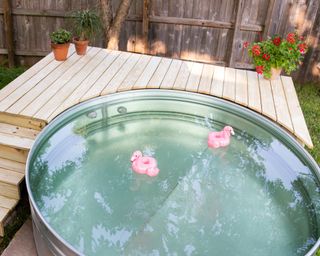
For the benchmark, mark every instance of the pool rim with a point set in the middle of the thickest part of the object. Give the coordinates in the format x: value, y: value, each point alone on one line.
x: 271, y: 127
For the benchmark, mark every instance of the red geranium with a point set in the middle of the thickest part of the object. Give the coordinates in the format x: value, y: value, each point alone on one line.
x: 277, y: 40
x: 245, y: 44
x: 266, y: 56
x: 302, y: 47
x: 256, y: 50
x: 291, y: 38
x: 259, y: 69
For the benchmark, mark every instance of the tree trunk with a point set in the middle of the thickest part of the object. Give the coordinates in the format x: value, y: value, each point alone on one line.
x: 114, y: 31
x: 107, y: 17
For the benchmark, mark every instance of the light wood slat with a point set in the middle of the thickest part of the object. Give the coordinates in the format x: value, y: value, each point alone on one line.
x: 100, y: 84
x: 15, y: 141
x: 267, y: 103
x: 159, y: 74
x: 22, y: 121
x: 297, y: 118
x: 28, y: 74
x: 18, y: 131
x: 229, y: 85
x: 12, y: 165
x: 171, y: 75
x: 85, y: 85
x: 34, y: 109
x: 280, y: 103
x: 183, y: 76
x: 27, y: 86
x: 116, y: 81
x: 147, y: 73
x: 254, y: 100
x: 10, y: 177
x: 8, y: 203
x: 14, y: 154
x: 135, y: 73
x: 206, y: 79
x: 241, y: 87
x: 70, y: 86
x: 217, y: 81
x: 23, y: 103
x: 194, y: 78
x: 9, y: 190
x: 3, y: 213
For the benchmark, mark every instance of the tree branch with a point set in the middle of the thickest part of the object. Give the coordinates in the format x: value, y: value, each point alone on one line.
x: 107, y: 17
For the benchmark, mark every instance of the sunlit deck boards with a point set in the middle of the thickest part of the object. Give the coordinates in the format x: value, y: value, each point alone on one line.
x: 50, y: 87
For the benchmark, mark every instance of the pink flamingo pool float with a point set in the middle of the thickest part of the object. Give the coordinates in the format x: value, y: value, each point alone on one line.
x: 220, y: 139
x: 144, y: 164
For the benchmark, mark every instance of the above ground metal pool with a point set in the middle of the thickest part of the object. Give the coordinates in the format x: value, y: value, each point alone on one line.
x: 257, y: 196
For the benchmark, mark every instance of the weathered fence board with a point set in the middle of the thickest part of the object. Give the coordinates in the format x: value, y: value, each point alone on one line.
x: 200, y: 30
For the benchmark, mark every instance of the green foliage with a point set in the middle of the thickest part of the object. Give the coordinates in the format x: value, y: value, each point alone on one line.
x: 309, y: 97
x: 278, y: 53
x: 86, y: 24
x: 61, y: 36
x: 8, y: 74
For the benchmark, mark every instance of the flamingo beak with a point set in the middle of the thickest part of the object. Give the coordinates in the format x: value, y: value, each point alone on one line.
x: 232, y: 132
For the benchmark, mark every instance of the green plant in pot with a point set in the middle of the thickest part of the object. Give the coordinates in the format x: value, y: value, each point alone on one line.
x: 60, y: 42
x: 86, y: 24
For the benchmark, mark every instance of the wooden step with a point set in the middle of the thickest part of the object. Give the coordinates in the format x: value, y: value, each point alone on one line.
x: 13, y: 154
x: 12, y: 165
x: 22, y: 121
x: 15, y: 141
x: 9, y: 190
x: 10, y: 177
x: 6, y: 206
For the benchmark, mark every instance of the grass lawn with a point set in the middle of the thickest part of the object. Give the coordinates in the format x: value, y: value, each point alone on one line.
x: 309, y: 96
x: 8, y: 74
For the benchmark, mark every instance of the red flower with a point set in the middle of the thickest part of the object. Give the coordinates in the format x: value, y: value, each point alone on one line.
x: 291, y: 38
x: 301, y: 38
x: 245, y: 44
x: 277, y: 40
x: 290, y: 49
x: 302, y: 48
x: 256, y: 51
x: 266, y: 56
x: 259, y: 69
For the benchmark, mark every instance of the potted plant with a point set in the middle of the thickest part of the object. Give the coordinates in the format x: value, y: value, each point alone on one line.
x: 86, y: 24
x: 60, y: 42
x: 274, y: 54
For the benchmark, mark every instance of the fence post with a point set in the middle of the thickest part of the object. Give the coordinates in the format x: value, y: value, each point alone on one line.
x: 236, y: 33
x: 8, y: 28
x: 145, y: 25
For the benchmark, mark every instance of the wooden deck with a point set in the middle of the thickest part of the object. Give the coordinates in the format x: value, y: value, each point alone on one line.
x: 48, y: 88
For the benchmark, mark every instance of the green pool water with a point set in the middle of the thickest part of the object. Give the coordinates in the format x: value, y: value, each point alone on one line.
x: 255, y: 197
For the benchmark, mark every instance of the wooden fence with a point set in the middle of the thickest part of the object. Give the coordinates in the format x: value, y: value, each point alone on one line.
x: 210, y: 31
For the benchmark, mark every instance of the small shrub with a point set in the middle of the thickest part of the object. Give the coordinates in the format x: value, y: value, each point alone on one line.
x: 61, y: 36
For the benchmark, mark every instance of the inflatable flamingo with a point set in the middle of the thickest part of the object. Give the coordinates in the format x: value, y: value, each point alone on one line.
x: 144, y: 164
x: 220, y: 139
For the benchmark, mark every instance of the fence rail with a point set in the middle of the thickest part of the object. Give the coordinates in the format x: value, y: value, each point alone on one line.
x: 209, y: 31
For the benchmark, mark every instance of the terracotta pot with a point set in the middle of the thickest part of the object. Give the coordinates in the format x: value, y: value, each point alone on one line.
x: 81, y: 46
x: 275, y: 73
x: 60, y: 51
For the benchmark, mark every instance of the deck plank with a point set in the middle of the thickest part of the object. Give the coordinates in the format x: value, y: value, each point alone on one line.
x: 183, y: 76
x: 9, y: 103
x: 147, y: 73
x: 229, y: 85
x: 86, y: 84
x: 10, y: 177
x: 12, y: 165
x: 112, y: 70
x: 57, y: 99
x: 134, y: 74
x: 254, y: 98
x: 171, y: 75
x: 194, y: 78
x: 116, y: 81
x: 218, y: 81
x: 297, y: 118
x: 7, y: 203
x: 23, y: 105
x: 159, y: 74
x: 241, y: 87
x: 280, y: 102
x: 206, y: 79
x: 18, y: 131
x: 267, y: 102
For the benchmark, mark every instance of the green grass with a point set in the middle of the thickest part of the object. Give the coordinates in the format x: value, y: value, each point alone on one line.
x: 309, y: 97
x: 8, y: 74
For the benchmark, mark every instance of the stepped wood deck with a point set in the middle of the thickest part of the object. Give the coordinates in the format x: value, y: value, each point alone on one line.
x: 48, y: 88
